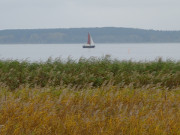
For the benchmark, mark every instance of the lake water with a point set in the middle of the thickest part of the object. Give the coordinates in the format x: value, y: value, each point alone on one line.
x: 134, y: 52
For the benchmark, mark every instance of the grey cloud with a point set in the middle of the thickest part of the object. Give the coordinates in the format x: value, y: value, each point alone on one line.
x: 148, y: 14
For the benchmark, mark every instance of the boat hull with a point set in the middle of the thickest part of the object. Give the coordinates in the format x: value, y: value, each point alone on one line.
x: 91, y: 46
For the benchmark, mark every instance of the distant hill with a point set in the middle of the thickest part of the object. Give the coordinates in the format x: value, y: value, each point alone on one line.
x: 79, y: 35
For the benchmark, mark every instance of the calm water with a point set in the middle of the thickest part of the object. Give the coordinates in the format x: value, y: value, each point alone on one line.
x: 135, y: 52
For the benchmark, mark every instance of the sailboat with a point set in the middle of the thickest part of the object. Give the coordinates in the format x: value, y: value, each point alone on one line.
x: 90, y: 43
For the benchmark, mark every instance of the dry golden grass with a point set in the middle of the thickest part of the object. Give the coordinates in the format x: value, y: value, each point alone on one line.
x: 100, y: 111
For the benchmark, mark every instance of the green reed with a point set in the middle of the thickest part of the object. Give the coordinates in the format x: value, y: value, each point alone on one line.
x: 93, y: 71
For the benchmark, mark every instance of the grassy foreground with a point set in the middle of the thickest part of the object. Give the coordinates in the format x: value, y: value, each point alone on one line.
x: 90, y: 97
x: 99, y: 111
x: 95, y: 72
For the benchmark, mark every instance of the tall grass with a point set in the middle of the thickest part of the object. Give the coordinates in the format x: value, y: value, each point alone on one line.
x: 96, y: 72
x: 103, y: 111
x: 92, y: 96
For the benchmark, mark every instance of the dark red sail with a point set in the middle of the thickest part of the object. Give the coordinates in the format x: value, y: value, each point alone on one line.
x: 89, y: 39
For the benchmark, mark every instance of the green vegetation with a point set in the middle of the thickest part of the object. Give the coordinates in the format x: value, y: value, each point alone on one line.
x: 94, y: 72
x: 89, y: 97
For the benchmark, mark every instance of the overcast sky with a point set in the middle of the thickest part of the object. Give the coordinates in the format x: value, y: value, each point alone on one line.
x: 146, y: 14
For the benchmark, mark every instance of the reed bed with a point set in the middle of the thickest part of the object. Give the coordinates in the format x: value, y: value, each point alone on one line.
x: 89, y: 97
x: 106, y: 110
x: 94, y: 71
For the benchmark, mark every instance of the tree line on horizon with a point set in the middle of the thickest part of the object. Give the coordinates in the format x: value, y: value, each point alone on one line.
x: 79, y: 35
